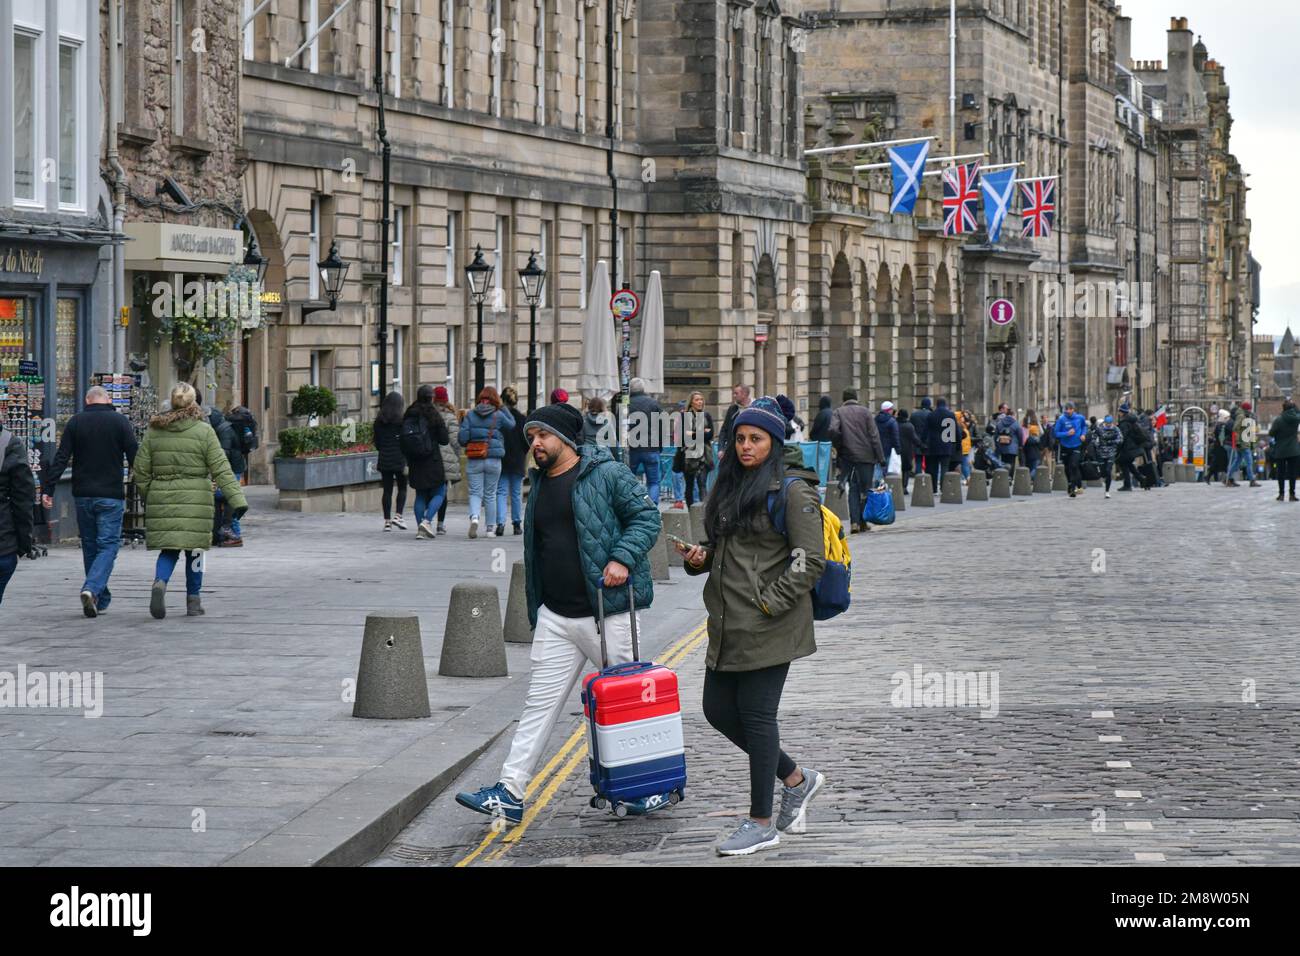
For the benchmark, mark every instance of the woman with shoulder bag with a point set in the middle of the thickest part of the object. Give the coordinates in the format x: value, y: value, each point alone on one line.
x: 450, y: 451
x: 760, y: 610
x: 480, y: 436
x: 696, y: 450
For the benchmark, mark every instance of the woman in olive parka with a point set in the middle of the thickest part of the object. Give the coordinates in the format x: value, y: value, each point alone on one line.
x: 175, y: 468
x: 759, y: 599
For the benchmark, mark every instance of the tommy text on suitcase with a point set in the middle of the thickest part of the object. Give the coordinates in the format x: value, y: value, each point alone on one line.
x: 636, y: 752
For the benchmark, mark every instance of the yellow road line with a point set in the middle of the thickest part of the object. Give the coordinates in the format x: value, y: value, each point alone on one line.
x: 675, y: 653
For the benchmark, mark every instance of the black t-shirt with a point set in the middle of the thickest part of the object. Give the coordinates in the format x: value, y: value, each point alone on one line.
x: 563, y: 587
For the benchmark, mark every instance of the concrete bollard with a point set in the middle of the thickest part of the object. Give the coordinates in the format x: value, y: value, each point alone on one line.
x: 950, y: 489
x: 473, y: 643
x: 1021, y: 485
x: 839, y: 503
x: 659, y: 559
x: 978, y: 489
x: 922, y: 492
x: 678, y: 523
x: 390, y: 678
x: 1042, y: 482
x: 1001, y: 484
x: 517, y: 630
x: 698, y: 534
x: 895, y: 483
x: 1059, y: 481
x: 1188, y: 472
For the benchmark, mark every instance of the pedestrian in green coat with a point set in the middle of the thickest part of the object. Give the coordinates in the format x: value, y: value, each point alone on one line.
x: 759, y: 599
x: 1284, y: 449
x: 175, y: 468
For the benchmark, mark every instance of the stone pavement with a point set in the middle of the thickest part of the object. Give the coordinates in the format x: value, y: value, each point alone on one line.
x: 226, y: 738
x: 1147, y: 706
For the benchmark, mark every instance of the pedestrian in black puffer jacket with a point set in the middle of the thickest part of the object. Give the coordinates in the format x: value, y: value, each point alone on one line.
x: 907, y: 445
x: 392, y: 463
x: 514, y: 465
x: 427, y: 475
x: 17, y: 507
x: 223, y: 531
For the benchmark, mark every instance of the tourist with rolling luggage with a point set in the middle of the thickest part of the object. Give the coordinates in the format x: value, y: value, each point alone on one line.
x: 760, y: 602
x: 588, y: 525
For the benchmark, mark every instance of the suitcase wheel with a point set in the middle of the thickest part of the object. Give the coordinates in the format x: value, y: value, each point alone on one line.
x: 620, y: 810
x: 675, y: 797
x: 600, y: 803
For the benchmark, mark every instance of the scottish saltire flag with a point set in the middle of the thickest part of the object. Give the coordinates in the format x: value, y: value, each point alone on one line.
x: 961, y: 196
x: 997, y: 187
x: 1038, y: 210
x: 906, y: 163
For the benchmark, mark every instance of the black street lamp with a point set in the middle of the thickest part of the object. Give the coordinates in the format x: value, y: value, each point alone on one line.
x: 254, y: 259
x: 479, y: 275
x: 532, y: 277
x: 333, y: 273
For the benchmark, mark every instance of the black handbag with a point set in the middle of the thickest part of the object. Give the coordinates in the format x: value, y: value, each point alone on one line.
x: 679, y: 461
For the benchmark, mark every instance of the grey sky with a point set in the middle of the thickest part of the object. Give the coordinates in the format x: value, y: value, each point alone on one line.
x: 1252, y: 39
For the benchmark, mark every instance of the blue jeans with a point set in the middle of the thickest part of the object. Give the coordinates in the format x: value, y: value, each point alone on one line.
x: 511, y: 486
x: 234, y: 522
x: 193, y: 569
x: 484, y: 474
x: 8, y: 564
x: 966, y: 464
x: 646, y: 459
x: 99, y: 520
x: 427, y: 503
x: 858, y: 486
x: 1242, y: 458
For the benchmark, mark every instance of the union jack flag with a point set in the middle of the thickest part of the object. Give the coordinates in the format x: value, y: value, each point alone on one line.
x: 1038, y: 210
x: 961, y: 196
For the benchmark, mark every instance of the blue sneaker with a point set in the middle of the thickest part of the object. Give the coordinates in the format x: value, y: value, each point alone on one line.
x: 640, y: 807
x: 495, y: 801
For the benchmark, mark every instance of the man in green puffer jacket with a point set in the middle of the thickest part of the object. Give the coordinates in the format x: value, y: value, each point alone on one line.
x: 588, y: 525
x: 175, y: 468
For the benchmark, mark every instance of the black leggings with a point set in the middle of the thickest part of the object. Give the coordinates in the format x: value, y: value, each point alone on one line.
x: 742, y: 706
x: 700, y: 476
x: 389, y: 478
x: 1287, y: 470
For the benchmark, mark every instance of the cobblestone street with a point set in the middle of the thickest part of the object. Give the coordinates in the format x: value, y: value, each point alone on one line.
x: 1145, y: 704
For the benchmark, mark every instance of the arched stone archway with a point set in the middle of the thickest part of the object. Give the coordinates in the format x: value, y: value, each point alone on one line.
x: 941, y: 381
x: 765, y: 298
x: 905, y: 341
x: 838, y: 357
x: 883, y: 328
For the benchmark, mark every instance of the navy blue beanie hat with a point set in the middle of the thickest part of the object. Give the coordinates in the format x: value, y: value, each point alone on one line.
x: 763, y: 413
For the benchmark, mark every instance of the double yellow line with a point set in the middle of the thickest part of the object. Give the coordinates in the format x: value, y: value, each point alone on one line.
x: 575, y: 750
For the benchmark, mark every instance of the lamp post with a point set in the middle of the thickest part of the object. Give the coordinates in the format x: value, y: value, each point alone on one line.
x: 254, y: 259
x: 532, y: 277
x: 333, y: 273
x: 479, y: 275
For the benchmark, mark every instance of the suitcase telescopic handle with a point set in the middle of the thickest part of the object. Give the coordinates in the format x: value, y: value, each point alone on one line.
x: 600, y: 623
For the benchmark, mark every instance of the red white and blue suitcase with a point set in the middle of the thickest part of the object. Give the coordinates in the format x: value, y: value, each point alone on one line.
x: 634, y: 727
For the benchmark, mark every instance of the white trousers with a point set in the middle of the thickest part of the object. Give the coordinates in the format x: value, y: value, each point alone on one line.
x: 564, y: 648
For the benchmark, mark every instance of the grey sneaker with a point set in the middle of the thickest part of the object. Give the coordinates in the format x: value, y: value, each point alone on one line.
x: 750, y: 838
x: 793, y: 817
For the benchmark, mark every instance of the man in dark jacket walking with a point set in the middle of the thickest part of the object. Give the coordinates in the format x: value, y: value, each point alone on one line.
x: 587, y: 526
x: 223, y: 525
x: 739, y: 402
x: 942, y: 441
x: 907, y: 445
x: 821, y: 426
x: 17, y: 505
x: 887, y: 427
x: 853, y: 430
x: 645, y: 422
x: 921, y: 424
x: 1132, y: 448
x: 99, y: 442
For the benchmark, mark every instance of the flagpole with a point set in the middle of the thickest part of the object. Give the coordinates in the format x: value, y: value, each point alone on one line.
x: 983, y: 169
x: 1035, y: 179
x: 887, y: 142
x: 932, y: 159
